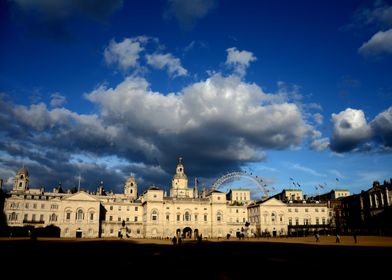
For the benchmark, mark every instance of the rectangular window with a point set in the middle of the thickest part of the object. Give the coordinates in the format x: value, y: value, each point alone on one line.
x: 127, y: 219
x: 41, y: 217
x: 289, y: 209
x: 306, y: 210
x: 178, y: 217
x: 110, y: 218
x: 195, y: 217
x: 297, y: 221
x: 68, y: 216
x: 317, y: 221
x: 290, y: 222
x: 33, y: 218
x: 35, y: 205
x: 136, y: 208
x: 91, y: 216
x: 135, y: 219
x: 42, y: 206
x: 167, y: 217
x: 296, y: 210
x: 119, y: 219
x: 323, y: 221
x: 205, y: 218
x: 25, y: 217
x: 111, y: 207
x: 27, y: 206
x: 119, y: 208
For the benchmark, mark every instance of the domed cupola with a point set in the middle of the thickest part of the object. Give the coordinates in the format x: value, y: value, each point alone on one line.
x: 180, y: 182
x: 180, y: 172
x: 21, y: 180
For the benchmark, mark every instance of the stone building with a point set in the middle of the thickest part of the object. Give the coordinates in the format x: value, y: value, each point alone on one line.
x: 153, y: 214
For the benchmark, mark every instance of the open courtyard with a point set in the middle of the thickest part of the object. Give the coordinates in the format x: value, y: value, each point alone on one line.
x: 210, y: 259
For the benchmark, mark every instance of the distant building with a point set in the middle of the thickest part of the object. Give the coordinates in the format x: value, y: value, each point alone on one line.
x: 370, y: 211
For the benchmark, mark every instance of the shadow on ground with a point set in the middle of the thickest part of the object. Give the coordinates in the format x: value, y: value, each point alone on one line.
x: 208, y: 260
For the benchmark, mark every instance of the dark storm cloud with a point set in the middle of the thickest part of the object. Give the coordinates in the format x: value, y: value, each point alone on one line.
x: 187, y: 12
x: 48, y: 18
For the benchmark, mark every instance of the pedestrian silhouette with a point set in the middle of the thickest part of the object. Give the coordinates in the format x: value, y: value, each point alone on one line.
x: 174, y: 240
x: 337, y: 238
x: 355, y: 237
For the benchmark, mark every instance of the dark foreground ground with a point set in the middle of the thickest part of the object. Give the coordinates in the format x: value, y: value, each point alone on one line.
x: 124, y: 259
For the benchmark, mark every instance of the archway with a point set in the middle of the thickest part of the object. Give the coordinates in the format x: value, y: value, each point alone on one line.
x: 187, y: 232
x: 178, y: 232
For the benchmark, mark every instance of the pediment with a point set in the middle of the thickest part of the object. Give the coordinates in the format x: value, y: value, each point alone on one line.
x: 80, y: 196
x: 272, y: 202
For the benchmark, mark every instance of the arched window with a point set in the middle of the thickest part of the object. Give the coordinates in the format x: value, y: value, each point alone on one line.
x: 91, y: 216
x: 80, y: 215
x: 187, y: 216
x: 154, y: 215
x: 53, y: 218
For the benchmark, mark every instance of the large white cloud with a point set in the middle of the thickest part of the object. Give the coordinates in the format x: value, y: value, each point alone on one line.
x: 201, y: 109
x: 350, y: 129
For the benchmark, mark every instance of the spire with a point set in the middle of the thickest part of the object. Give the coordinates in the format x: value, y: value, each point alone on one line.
x: 180, y: 160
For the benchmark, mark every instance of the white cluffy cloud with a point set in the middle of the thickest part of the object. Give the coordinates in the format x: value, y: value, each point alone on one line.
x: 239, y: 60
x: 168, y: 61
x: 350, y: 129
x: 125, y: 54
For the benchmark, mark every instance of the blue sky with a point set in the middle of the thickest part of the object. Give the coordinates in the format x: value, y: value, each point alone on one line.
x: 106, y: 89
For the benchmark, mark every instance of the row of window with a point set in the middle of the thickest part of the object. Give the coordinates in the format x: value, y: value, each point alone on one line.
x: 15, y: 205
x: 307, y: 221
x: 119, y: 208
x: 306, y: 210
x: 187, y: 217
x: 79, y: 215
x: 119, y: 219
x: 13, y: 217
